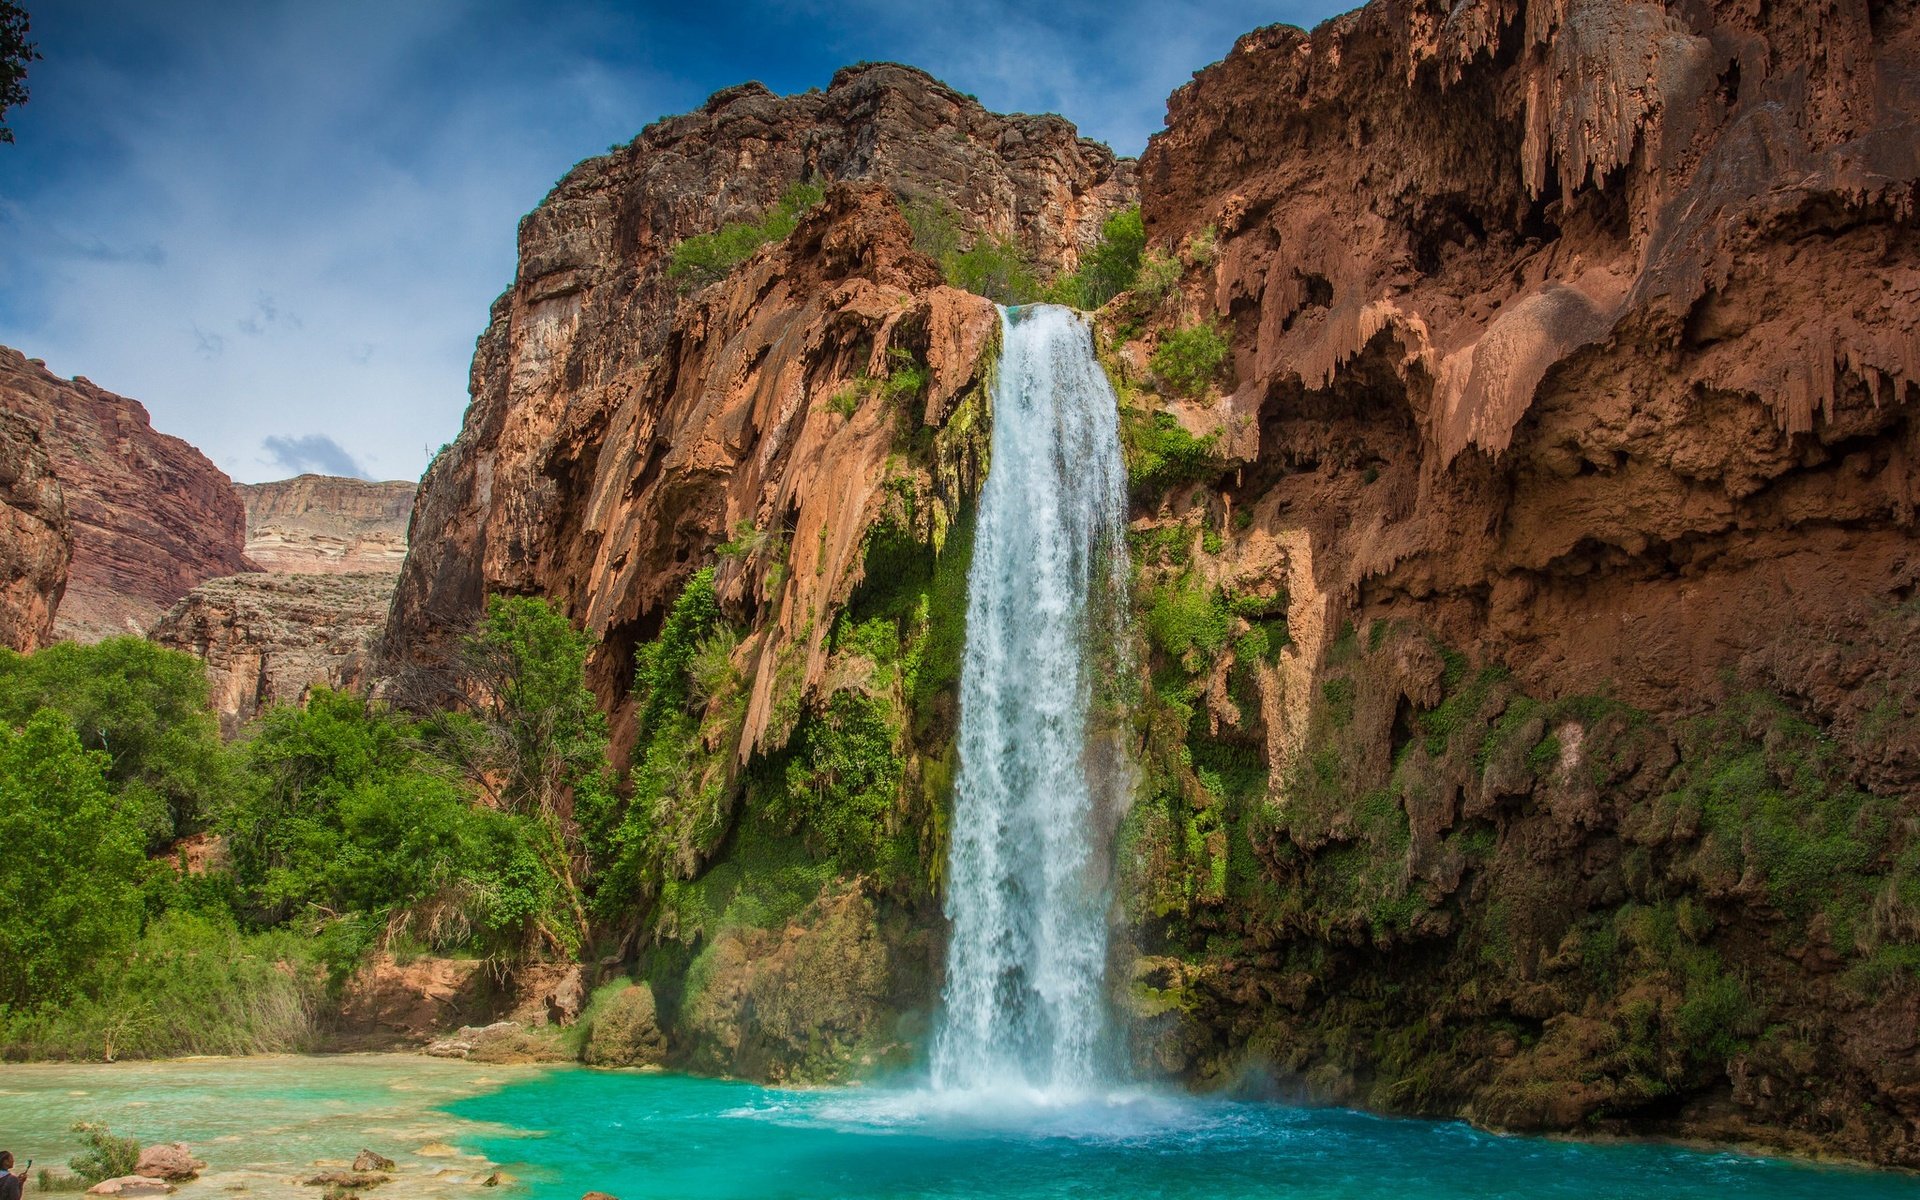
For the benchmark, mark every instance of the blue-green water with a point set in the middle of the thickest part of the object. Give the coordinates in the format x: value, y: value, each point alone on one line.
x: 638, y: 1136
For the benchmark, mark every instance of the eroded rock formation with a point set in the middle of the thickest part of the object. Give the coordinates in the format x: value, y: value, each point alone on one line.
x: 150, y: 515
x: 1557, y: 747
x: 270, y: 638
x: 327, y: 524
x: 608, y: 413
x: 36, y: 538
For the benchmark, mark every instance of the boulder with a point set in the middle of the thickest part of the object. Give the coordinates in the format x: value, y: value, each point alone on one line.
x: 625, y: 1031
x: 170, y: 1160
x: 131, y: 1185
x: 367, y: 1160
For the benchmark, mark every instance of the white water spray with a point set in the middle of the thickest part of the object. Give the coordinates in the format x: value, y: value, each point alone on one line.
x: 1025, y: 998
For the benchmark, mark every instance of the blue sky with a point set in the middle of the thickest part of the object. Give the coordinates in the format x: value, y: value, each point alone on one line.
x: 279, y: 225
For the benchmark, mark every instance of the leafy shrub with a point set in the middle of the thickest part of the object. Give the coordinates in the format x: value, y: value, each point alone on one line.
x: 1201, y: 247
x: 1188, y: 358
x: 1161, y: 454
x: 1158, y: 275
x: 937, y: 232
x: 844, y: 402
x: 995, y: 268
x: 706, y: 257
x: 1109, y: 267
x: 106, y: 1156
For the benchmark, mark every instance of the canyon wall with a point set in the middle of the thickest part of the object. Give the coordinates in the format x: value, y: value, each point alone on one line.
x: 270, y: 637
x: 1536, y: 724
x: 329, y: 551
x: 1530, y: 728
x: 36, y: 538
x: 150, y: 515
x: 753, y: 493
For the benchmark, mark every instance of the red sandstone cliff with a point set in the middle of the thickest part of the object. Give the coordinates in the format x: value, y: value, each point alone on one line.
x: 36, y: 538
x: 576, y: 470
x: 1564, y: 461
x: 1619, y: 302
x: 1570, y: 401
x: 151, y: 516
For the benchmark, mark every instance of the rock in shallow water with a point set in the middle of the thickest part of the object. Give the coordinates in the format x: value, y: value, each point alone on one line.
x: 367, y: 1160
x: 170, y: 1160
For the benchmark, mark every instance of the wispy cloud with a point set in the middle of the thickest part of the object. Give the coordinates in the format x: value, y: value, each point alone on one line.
x: 315, y: 452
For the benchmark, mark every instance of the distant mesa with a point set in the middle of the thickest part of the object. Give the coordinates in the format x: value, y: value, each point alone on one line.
x: 327, y: 524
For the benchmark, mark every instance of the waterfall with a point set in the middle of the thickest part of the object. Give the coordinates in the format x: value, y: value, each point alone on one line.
x: 1025, y: 996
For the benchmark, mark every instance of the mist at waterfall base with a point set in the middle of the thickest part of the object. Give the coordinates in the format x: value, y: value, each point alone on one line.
x: 1023, y: 1095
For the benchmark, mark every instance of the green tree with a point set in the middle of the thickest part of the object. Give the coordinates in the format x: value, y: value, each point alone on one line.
x: 538, y: 744
x: 143, y: 707
x: 1114, y: 262
x: 71, y: 897
x: 353, y: 814
x: 15, y: 53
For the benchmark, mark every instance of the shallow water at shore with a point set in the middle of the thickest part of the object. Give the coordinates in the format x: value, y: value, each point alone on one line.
x: 265, y: 1123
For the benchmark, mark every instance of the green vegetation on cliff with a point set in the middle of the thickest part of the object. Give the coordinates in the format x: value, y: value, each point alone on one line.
x: 707, y: 257
x: 1459, y: 897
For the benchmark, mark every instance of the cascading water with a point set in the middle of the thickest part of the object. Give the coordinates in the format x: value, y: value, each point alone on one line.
x: 1024, y: 1003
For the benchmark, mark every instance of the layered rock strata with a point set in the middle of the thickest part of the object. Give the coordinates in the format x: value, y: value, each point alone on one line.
x: 150, y: 515
x: 327, y: 524
x: 270, y: 638
x: 36, y: 538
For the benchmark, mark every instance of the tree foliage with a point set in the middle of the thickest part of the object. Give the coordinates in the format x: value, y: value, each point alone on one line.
x: 15, y: 53
x: 71, y: 860
x: 145, y: 709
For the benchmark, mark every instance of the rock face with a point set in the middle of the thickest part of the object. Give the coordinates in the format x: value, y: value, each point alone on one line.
x: 1646, y: 281
x: 327, y: 524
x: 604, y: 406
x: 270, y: 638
x: 36, y: 538
x: 626, y: 1032
x: 171, y: 1161
x: 1559, y: 520
x: 150, y: 515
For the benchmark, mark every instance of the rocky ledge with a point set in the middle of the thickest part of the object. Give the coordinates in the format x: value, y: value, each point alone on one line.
x: 270, y: 638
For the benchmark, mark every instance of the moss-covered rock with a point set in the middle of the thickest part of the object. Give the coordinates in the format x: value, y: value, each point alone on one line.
x: 624, y: 1030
